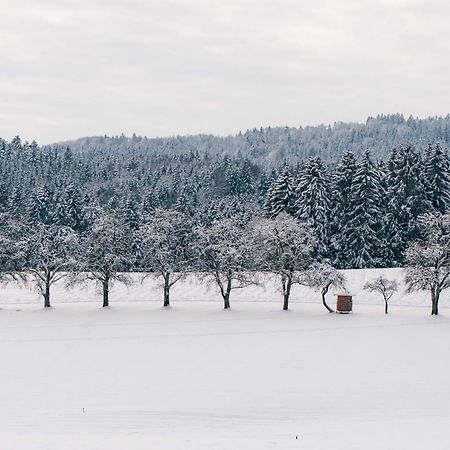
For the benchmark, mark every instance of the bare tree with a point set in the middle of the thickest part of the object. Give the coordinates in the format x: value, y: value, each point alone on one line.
x: 322, y: 276
x: 428, y: 260
x: 387, y: 288
x: 222, y: 256
x: 51, y: 251
x: 283, y: 246
x: 166, y: 241
x: 105, y: 256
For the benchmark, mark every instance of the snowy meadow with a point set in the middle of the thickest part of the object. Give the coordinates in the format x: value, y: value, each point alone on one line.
x: 194, y: 376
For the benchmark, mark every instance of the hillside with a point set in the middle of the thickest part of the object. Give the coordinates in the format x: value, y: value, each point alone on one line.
x: 286, y: 144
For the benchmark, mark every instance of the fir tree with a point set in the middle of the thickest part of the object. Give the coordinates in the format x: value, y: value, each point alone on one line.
x: 407, y: 199
x: 313, y: 202
x: 40, y: 208
x: 280, y: 197
x: 342, y: 206
x: 437, y: 178
x: 130, y: 213
x: 360, y: 236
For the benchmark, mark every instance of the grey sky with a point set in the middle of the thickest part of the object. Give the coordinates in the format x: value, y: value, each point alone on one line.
x: 162, y: 67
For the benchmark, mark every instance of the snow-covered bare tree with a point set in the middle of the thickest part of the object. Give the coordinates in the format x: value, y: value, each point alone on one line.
x: 387, y: 288
x: 223, y: 253
x: 106, y: 255
x: 283, y: 246
x: 428, y: 260
x: 166, y: 241
x: 51, y: 252
x: 322, y: 276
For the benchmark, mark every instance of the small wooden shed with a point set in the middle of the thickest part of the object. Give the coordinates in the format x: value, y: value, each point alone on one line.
x: 344, y: 304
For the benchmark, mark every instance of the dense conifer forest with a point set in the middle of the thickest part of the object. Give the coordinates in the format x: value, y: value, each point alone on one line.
x: 359, y: 188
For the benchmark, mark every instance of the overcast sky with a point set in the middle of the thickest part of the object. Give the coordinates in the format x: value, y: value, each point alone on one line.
x: 162, y: 67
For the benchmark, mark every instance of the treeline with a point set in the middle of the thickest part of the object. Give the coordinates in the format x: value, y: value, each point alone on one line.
x: 168, y: 246
x: 274, y: 146
x: 232, y: 254
x: 363, y: 211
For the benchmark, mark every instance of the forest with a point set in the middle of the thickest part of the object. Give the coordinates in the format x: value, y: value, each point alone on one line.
x: 160, y: 207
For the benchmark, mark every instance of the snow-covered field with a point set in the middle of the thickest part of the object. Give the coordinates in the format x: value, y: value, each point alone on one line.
x: 196, y: 377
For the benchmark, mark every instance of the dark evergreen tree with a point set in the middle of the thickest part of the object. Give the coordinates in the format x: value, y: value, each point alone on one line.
x: 406, y: 197
x: 342, y: 206
x: 313, y: 202
x: 40, y: 208
x: 437, y: 178
x: 130, y: 213
x: 361, y: 234
x: 280, y: 197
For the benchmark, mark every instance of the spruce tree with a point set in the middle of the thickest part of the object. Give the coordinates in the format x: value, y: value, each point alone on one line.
x: 280, y: 197
x: 437, y: 178
x: 406, y: 197
x: 342, y: 206
x: 361, y: 233
x: 313, y: 202
x: 41, y: 206
x: 130, y: 213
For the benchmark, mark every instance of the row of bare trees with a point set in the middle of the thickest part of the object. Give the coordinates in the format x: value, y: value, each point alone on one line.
x: 229, y: 254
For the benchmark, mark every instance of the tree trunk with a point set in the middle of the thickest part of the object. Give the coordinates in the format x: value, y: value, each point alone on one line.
x: 324, y: 293
x: 385, y: 306
x: 226, y: 301
x: 434, y: 302
x: 167, y: 289
x: 105, y: 285
x: 287, y: 284
x: 226, y: 295
x: 47, y: 295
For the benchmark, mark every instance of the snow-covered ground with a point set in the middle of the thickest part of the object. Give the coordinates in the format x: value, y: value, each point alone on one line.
x: 196, y: 377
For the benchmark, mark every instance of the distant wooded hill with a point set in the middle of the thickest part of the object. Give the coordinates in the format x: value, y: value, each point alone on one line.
x: 279, y: 145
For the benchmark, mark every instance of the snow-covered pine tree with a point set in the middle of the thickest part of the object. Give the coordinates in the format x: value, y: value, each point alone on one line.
x: 129, y: 211
x: 341, y: 206
x: 73, y: 208
x: 406, y: 199
x: 391, y: 240
x: 280, y: 197
x: 361, y: 234
x: 149, y: 203
x: 68, y: 209
x: 437, y: 178
x: 184, y: 204
x: 40, y: 206
x: 313, y: 204
x: 14, y: 204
